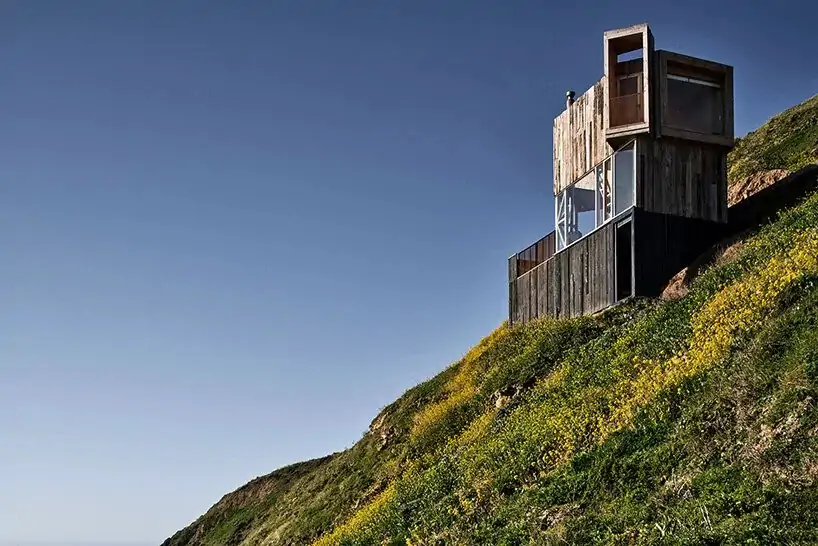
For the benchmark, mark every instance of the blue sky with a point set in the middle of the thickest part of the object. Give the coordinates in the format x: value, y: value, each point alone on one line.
x: 232, y: 232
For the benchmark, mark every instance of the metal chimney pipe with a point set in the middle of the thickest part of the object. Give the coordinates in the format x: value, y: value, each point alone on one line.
x: 569, y: 98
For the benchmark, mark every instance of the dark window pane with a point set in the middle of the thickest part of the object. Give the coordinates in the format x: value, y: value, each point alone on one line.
x: 693, y: 106
x: 629, y: 85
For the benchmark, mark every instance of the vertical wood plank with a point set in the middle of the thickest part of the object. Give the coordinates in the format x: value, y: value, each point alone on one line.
x: 579, y: 137
x: 686, y: 179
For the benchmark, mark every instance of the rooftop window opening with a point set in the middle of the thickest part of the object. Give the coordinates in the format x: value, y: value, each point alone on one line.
x: 635, y: 54
x: 605, y: 191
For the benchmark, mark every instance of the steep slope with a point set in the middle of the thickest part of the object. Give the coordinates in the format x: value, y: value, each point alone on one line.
x: 788, y: 141
x: 235, y: 515
x: 684, y: 421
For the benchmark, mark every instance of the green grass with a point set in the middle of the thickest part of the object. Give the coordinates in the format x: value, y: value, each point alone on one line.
x: 685, y: 422
x: 682, y: 466
x: 788, y: 141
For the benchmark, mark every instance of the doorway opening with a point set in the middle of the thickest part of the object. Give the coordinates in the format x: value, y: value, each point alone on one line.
x: 624, y: 261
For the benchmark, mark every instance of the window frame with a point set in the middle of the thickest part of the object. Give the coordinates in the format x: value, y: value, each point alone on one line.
x: 562, y: 201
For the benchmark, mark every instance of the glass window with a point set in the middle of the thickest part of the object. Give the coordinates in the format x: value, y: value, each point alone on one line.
x: 571, y: 230
x: 694, y: 105
x: 561, y: 219
x: 624, y: 178
x: 629, y: 85
x: 603, y: 192
x: 583, y: 203
x: 595, y: 198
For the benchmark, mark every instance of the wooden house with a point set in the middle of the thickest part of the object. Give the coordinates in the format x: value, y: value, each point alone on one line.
x: 640, y: 181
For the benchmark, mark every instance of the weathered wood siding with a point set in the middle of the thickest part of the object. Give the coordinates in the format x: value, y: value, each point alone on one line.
x: 665, y: 244
x: 579, y: 137
x: 581, y: 279
x: 683, y: 178
x: 576, y: 281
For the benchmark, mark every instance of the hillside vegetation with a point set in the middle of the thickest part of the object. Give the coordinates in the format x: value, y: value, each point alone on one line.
x: 788, y: 141
x: 688, y: 421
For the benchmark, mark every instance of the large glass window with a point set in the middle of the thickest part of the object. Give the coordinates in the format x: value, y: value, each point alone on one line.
x: 695, y: 105
x: 629, y: 84
x: 560, y: 220
x: 604, y: 192
x: 594, y: 199
x: 624, y: 177
x: 583, y: 200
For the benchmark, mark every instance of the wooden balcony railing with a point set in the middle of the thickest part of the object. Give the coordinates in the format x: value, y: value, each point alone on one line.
x: 626, y: 110
x: 526, y: 260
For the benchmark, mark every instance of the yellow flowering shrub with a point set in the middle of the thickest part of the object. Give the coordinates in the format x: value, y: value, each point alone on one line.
x: 744, y: 304
x: 549, y: 433
x: 460, y: 389
x: 739, y: 307
x: 576, y: 406
x: 477, y: 430
x: 362, y: 519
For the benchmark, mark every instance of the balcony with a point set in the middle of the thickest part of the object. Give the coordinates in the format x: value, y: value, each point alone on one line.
x: 603, y: 193
x: 626, y: 110
x: 526, y: 260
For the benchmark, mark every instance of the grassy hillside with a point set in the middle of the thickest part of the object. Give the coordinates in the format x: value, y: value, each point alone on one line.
x: 788, y: 141
x: 686, y: 421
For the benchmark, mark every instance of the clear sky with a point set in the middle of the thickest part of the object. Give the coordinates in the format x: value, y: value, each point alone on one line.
x: 231, y: 232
